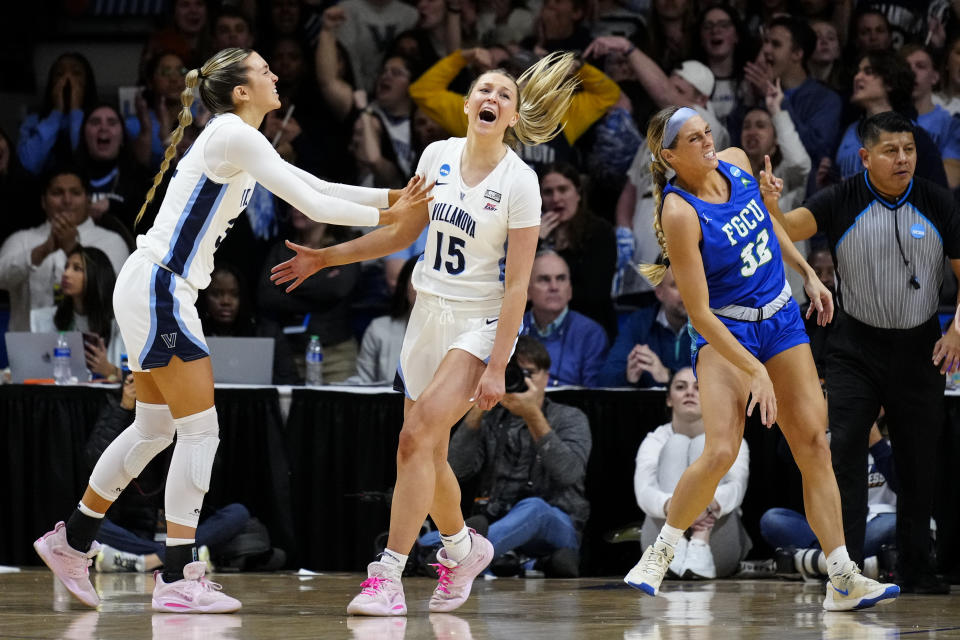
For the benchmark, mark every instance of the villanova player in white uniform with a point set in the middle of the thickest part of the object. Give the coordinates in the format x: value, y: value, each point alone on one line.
x: 727, y: 255
x: 154, y: 303
x: 471, y: 292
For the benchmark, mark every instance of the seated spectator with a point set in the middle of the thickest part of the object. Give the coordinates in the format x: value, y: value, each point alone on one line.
x: 670, y: 33
x: 949, y: 95
x: 577, y: 345
x: 231, y: 28
x: 723, y: 46
x: 798, y: 551
x: 367, y: 30
x: 117, y: 181
x: 157, y: 108
x: 383, y: 339
x: 826, y: 62
x: 869, y: 32
x: 717, y: 540
x: 128, y: 534
x: 185, y: 33
x: 788, y: 44
x: 320, y: 306
x: 943, y: 128
x: 562, y: 27
x: 225, y: 310
x: 32, y: 260
x: 432, y: 93
x: 653, y: 342
x: 586, y: 241
x: 87, y: 306
x: 48, y: 138
x: 531, y: 455
x: 884, y: 82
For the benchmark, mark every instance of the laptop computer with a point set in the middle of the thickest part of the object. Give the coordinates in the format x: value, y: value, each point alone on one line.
x: 31, y: 355
x: 241, y: 360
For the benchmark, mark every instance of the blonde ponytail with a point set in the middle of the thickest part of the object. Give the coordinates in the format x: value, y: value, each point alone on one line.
x: 215, y: 79
x: 658, y: 169
x: 546, y: 90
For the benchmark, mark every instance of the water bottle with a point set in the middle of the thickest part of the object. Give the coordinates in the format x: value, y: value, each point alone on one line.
x: 314, y: 362
x: 61, y: 360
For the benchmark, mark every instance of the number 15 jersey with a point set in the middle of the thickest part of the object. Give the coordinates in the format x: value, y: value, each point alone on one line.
x: 466, y: 248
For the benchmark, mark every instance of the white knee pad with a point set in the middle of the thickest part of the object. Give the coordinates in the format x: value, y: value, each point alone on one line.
x: 189, y: 476
x: 151, y: 432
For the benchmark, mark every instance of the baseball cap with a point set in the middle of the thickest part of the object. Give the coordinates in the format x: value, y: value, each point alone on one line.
x: 697, y: 74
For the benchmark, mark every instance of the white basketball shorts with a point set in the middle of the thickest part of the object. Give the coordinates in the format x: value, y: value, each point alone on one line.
x: 437, y: 325
x: 157, y: 315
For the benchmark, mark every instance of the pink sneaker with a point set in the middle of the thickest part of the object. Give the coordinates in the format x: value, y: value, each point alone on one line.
x: 379, y: 594
x: 71, y: 567
x: 456, y: 578
x: 193, y: 594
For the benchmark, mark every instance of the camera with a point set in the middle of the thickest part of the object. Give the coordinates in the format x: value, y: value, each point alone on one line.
x: 513, y: 378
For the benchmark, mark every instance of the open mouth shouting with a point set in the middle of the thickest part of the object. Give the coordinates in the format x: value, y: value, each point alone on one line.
x: 487, y: 115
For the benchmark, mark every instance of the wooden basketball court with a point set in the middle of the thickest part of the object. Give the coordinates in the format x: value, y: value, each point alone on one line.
x: 284, y: 605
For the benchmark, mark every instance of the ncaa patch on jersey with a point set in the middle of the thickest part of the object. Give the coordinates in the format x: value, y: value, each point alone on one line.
x: 735, y: 172
x: 917, y: 231
x: 492, y: 195
x: 444, y: 170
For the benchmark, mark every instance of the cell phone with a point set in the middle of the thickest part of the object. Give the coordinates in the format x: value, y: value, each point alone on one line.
x: 90, y: 338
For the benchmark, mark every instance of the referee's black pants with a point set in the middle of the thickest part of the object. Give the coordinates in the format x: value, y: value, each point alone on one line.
x: 868, y: 368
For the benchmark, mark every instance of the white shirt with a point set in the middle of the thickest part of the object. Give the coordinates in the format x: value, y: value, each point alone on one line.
x: 466, y: 248
x: 212, y: 185
x: 650, y: 497
x: 32, y: 286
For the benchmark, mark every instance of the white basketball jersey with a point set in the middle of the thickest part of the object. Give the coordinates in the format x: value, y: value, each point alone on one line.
x: 466, y: 249
x: 198, y: 210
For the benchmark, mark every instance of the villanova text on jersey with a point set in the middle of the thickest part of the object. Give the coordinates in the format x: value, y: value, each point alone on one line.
x: 454, y: 215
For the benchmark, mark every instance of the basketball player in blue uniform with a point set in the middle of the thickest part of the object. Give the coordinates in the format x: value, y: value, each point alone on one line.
x: 471, y: 292
x: 154, y: 302
x: 727, y: 254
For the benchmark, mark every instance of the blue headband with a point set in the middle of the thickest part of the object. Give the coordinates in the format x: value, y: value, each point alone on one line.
x: 674, y: 123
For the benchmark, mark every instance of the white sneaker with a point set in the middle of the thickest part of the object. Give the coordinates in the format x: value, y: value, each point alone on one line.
x: 648, y: 573
x: 849, y: 590
x: 679, y: 565
x: 699, y: 564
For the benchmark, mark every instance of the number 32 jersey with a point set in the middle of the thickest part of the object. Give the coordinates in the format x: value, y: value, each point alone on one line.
x: 466, y: 246
x: 741, y: 254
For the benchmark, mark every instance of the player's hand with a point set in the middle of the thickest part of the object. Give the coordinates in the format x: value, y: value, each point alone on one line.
x: 490, y: 389
x: 771, y: 187
x: 820, y: 299
x: 762, y: 397
x: 411, y: 203
x: 301, y: 266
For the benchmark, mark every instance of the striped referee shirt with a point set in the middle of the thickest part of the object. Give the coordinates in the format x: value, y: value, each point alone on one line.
x: 862, y: 230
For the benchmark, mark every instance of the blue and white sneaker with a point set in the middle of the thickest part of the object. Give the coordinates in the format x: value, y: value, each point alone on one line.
x: 849, y: 590
x: 648, y: 573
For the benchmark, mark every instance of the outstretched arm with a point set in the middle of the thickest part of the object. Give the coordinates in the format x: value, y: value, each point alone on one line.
x: 411, y: 218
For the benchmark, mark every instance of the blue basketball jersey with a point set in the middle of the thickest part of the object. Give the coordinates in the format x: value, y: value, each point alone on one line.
x: 741, y: 254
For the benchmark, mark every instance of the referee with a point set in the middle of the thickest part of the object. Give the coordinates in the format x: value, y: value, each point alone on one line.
x: 888, y: 232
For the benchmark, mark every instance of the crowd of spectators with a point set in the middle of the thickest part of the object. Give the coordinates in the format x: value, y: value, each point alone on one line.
x: 366, y: 85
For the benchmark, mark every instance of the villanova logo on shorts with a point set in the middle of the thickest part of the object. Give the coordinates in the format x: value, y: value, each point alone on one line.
x: 917, y: 231
x: 444, y: 170
x: 169, y: 339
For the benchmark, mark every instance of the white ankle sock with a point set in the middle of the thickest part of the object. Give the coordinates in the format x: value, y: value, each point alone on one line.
x: 669, y: 536
x: 395, y: 562
x: 837, y: 560
x: 87, y: 511
x: 457, y: 545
